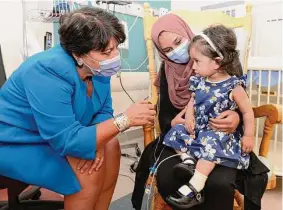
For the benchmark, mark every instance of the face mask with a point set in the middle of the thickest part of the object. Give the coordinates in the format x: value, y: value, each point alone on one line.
x: 108, y: 67
x: 180, y: 54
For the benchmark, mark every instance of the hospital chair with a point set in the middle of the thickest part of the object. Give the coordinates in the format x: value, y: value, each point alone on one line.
x: 198, y: 20
x: 21, y: 196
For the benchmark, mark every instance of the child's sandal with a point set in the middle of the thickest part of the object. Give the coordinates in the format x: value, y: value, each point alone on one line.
x: 185, y: 202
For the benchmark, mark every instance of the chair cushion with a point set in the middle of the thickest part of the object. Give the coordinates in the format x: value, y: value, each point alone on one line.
x: 6, y: 182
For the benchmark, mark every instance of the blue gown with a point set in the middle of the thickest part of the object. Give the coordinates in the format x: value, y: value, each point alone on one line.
x: 211, y: 99
x: 45, y: 116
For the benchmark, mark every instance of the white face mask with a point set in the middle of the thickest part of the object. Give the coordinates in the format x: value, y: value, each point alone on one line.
x: 108, y: 67
x: 180, y: 54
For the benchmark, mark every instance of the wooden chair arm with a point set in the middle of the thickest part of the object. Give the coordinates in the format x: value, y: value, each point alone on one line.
x: 271, y: 111
x: 148, y: 134
x: 149, y: 130
x: 239, y: 198
x: 273, y: 116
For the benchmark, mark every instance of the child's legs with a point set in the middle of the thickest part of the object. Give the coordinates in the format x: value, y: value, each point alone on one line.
x: 186, y: 158
x: 179, y: 152
x: 205, y: 167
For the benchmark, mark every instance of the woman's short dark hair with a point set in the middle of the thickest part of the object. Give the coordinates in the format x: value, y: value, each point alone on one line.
x: 89, y: 29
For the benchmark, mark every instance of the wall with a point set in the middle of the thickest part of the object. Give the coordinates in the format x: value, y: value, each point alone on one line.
x: 267, y: 29
x: 266, y: 36
x: 136, y: 53
x: 36, y: 29
x: 190, y: 5
x: 11, y: 34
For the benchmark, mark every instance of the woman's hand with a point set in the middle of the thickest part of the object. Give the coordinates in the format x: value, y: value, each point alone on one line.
x: 91, y: 165
x: 227, y: 121
x: 141, y: 113
x: 179, y: 119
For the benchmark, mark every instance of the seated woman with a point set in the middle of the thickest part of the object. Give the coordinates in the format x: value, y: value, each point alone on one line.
x: 56, y: 123
x: 171, y: 36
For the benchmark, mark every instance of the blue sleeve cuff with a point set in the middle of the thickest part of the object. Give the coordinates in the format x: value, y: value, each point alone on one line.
x: 86, y: 149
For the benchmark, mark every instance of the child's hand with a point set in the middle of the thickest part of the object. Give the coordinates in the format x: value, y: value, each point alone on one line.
x: 179, y: 119
x: 190, y: 125
x: 247, y: 144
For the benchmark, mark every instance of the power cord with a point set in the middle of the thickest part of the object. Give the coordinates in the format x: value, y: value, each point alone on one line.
x: 133, y: 24
x: 152, y: 173
x: 120, y: 79
x: 134, y: 165
x: 137, y: 67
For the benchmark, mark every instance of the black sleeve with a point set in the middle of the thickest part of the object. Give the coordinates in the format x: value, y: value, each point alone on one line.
x: 241, y: 122
x: 167, y: 111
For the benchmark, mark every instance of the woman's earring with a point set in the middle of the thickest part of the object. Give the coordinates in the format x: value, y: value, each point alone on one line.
x: 80, y: 62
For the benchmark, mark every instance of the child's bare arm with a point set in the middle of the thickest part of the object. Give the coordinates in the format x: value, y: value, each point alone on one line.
x: 190, y: 109
x: 240, y: 96
x: 189, y: 116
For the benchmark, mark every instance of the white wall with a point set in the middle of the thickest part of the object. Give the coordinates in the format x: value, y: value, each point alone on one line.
x: 11, y: 33
x: 11, y: 36
x: 264, y: 42
x: 37, y: 29
x: 266, y: 37
x: 192, y: 4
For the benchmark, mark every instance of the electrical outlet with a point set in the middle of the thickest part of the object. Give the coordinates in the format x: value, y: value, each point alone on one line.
x: 135, y: 10
x: 162, y: 11
x: 154, y: 12
x: 125, y: 45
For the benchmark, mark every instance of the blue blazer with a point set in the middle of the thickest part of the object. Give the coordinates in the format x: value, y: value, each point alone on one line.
x: 45, y: 116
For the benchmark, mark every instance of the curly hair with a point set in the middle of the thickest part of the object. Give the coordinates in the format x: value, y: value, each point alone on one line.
x: 89, y: 29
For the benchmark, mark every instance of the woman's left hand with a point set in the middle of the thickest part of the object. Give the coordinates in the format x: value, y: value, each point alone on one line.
x: 91, y: 165
x: 227, y: 121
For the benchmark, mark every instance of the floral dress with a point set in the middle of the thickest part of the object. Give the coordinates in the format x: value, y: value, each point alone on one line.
x: 211, y: 99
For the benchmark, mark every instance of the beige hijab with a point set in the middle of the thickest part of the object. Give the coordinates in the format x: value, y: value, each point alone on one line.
x: 177, y: 75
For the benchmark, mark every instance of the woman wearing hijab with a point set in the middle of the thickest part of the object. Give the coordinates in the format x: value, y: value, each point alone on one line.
x: 171, y: 36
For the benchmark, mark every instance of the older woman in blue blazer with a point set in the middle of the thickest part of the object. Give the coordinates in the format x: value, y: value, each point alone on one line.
x: 56, y: 124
